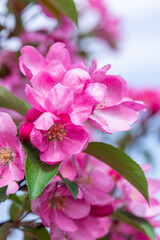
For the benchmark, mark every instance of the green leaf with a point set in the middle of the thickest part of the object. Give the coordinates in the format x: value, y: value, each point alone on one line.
x: 139, y: 223
x: 72, y: 187
x: 4, y: 230
x: 67, y: 7
x: 3, y: 195
x: 40, y: 232
x: 122, y: 164
x: 49, y: 5
x: 9, y: 100
x: 38, y: 173
x: 17, y: 206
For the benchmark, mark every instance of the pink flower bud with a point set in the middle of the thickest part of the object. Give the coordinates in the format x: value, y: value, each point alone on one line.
x: 32, y: 115
x: 24, y: 131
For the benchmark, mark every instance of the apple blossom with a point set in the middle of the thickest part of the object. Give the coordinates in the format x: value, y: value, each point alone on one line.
x: 57, y: 206
x: 12, y: 156
x: 151, y: 97
x: 99, y: 98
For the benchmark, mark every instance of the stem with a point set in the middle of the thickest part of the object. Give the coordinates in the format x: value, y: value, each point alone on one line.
x: 31, y: 224
x: 9, y: 221
x: 24, y: 216
x: 60, y: 175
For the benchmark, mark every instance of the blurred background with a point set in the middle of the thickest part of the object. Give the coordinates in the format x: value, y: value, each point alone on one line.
x: 134, y: 54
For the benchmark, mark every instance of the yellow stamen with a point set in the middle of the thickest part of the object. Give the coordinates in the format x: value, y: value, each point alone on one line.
x: 6, y: 155
x: 56, y: 131
x: 60, y: 202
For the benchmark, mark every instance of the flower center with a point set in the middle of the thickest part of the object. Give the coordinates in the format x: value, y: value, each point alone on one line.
x: 56, y: 131
x: 59, y: 202
x: 6, y: 155
x: 85, y: 180
x: 101, y: 105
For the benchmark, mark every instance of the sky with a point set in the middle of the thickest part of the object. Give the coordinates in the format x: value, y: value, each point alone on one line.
x: 138, y: 58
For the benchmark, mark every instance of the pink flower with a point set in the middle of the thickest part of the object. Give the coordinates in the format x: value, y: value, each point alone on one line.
x: 25, y: 131
x: 134, y: 201
x: 123, y: 231
x: 57, y: 137
x: 47, y: 95
x: 151, y: 97
x: 108, y: 26
x: 92, y: 96
x: 93, y: 184
x: 57, y: 206
x: 53, y: 132
x: 12, y: 156
x: 32, y: 62
x: 90, y: 228
x: 112, y: 111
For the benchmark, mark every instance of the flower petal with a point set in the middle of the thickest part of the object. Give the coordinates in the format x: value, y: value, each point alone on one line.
x: 43, y: 83
x: 31, y: 61
x: 53, y: 153
x: 8, y: 131
x: 75, y: 140
x: 63, y: 222
x: 77, y: 209
x: 101, y: 211
x: 39, y: 140
x: 16, y: 173
x: 58, y: 52
x: 45, y: 121
x: 34, y: 98
x: 116, y: 89
x: 76, y: 79
x: 56, y: 70
x: 96, y: 197
x: 12, y: 187
x: 81, y: 109
x: 97, y: 91
x: 113, y: 119
x: 59, y: 100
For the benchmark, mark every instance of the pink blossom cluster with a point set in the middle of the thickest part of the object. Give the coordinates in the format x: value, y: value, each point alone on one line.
x: 108, y: 26
x: 131, y: 201
x: 151, y: 97
x: 89, y: 217
x: 84, y: 218
x: 66, y: 97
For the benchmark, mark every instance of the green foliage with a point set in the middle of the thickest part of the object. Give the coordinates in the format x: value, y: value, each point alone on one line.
x: 20, y: 205
x: 38, y: 173
x: 3, y: 195
x: 122, y: 164
x: 66, y: 7
x: 140, y: 224
x: 72, y: 187
x: 36, y: 233
x: 4, y: 230
x: 9, y: 100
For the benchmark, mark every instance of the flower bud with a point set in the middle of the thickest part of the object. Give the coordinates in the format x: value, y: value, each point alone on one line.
x: 24, y: 132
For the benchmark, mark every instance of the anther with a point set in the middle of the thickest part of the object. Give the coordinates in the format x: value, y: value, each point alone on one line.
x: 56, y: 131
